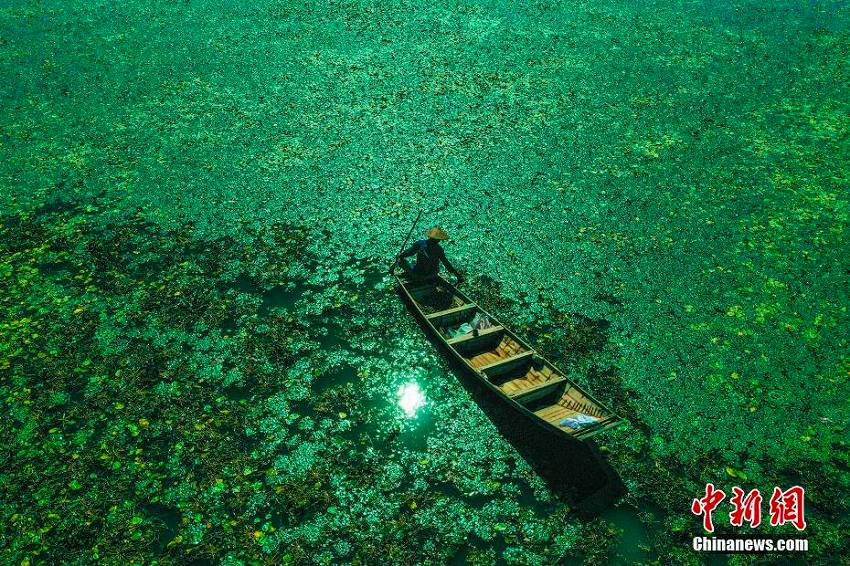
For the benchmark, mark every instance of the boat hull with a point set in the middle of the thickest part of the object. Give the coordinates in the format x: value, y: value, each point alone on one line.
x: 517, y: 400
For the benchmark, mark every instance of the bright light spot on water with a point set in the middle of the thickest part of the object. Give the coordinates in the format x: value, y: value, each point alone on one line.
x: 410, y: 399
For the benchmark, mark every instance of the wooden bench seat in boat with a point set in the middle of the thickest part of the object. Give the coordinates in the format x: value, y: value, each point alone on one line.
x: 505, y: 363
x: 535, y: 392
x: 434, y: 317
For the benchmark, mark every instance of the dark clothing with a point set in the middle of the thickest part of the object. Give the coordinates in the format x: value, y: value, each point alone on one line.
x: 429, y: 254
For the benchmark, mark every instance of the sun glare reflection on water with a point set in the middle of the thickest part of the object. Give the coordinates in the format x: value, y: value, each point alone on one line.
x: 410, y: 399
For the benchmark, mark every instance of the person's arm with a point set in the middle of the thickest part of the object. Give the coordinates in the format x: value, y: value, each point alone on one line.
x: 449, y: 266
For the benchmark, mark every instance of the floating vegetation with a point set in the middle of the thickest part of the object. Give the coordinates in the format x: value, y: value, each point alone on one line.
x: 201, y: 360
x: 186, y: 418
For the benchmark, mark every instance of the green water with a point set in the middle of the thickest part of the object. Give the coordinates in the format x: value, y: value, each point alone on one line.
x: 198, y: 201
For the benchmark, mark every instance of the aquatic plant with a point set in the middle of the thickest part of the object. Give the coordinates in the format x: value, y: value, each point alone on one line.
x: 660, y: 188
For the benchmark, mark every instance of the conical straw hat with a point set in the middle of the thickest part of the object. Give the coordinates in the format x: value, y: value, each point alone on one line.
x: 437, y: 233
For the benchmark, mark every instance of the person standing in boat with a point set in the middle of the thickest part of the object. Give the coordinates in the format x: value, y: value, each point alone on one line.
x: 429, y: 254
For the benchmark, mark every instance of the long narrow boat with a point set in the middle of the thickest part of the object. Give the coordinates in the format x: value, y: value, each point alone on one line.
x: 505, y: 363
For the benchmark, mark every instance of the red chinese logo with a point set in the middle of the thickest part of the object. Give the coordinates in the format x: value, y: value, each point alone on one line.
x: 787, y: 507
x: 746, y: 508
x: 706, y: 505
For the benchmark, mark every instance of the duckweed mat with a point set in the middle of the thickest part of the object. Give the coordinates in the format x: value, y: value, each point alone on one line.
x: 174, y: 398
x: 201, y: 358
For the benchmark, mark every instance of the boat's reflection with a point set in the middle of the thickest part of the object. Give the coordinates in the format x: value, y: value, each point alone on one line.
x: 575, y: 470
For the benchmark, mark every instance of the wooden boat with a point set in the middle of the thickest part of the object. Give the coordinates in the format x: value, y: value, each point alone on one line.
x: 505, y: 363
